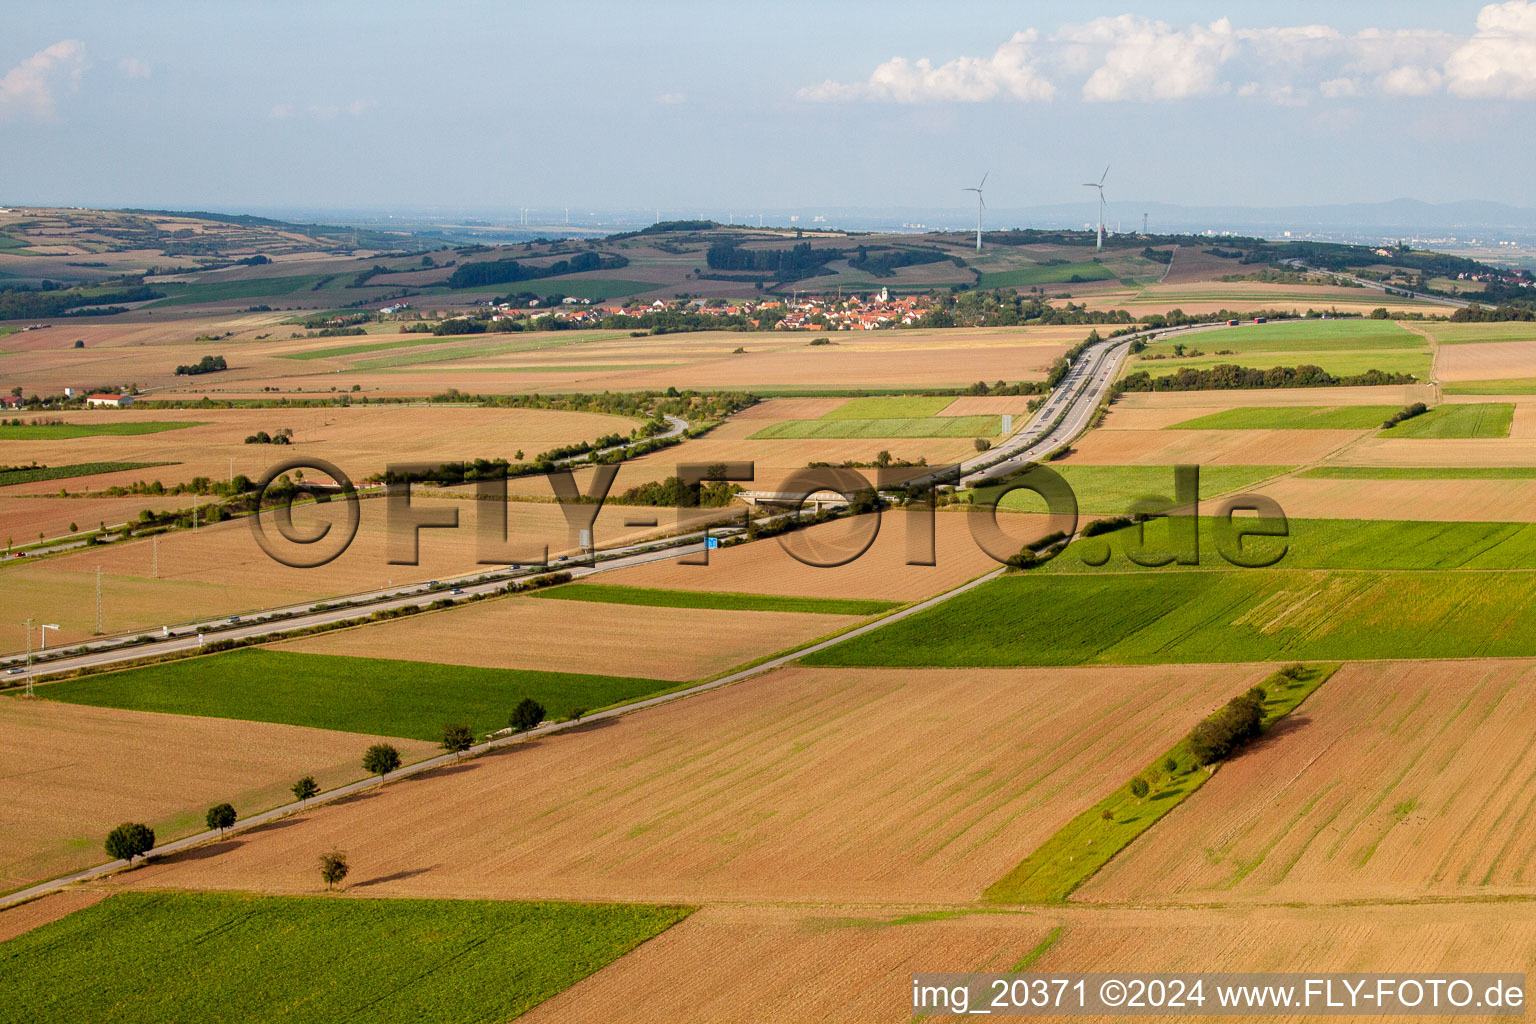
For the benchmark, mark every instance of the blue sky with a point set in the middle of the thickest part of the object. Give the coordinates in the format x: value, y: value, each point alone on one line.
x: 481, y: 106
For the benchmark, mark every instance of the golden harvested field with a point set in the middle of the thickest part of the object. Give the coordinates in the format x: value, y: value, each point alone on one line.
x: 595, y: 361
x: 1106, y: 447
x: 1489, y: 360
x: 73, y: 772
x: 732, y: 965
x: 1395, y: 780
x: 989, y: 405
x: 763, y: 567
x: 221, y: 569
x: 804, y: 784
x: 836, y: 963
x: 1202, y: 295
x: 1424, y: 500
x: 359, y: 440
x: 567, y: 636
x: 23, y: 518
x: 1436, y: 452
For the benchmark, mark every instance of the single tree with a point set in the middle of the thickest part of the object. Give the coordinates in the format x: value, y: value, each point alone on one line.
x: 221, y: 817
x: 381, y: 759
x: 981, y: 444
x: 526, y: 715
x: 457, y: 738
x: 575, y: 714
x: 1139, y: 788
x: 130, y: 840
x: 306, y: 788
x: 333, y: 867
x: 1170, y: 764
x: 1107, y: 814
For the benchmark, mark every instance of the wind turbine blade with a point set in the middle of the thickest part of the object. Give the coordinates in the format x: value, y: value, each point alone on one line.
x: 983, y: 181
x: 979, y: 199
x: 1090, y: 184
x: 1104, y: 175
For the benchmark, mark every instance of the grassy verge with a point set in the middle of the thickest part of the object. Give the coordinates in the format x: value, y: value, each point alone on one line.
x: 374, y: 696
x: 32, y: 475
x: 167, y: 957
x: 716, y: 600
x: 57, y: 431
x: 1089, y: 841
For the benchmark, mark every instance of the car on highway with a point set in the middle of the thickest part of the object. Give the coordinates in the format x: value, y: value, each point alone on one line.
x: 15, y: 670
x: 456, y: 590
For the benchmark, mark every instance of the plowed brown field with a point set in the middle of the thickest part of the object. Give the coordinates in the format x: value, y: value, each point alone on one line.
x: 1422, y: 500
x: 804, y: 784
x: 72, y: 772
x: 1208, y: 447
x: 1488, y: 360
x: 571, y: 636
x: 1397, y: 779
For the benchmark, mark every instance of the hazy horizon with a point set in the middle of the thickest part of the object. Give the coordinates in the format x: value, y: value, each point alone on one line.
x: 477, y: 108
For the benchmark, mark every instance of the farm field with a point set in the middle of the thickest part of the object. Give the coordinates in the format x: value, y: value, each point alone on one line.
x: 221, y: 569
x: 1464, y: 334
x: 656, y: 642
x: 1292, y: 417
x: 724, y: 962
x: 927, y: 426
x: 1341, y: 347
x: 1491, y: 419
x: 34, y: 473
x: 1401, y: 493
x: 1396, y: 779
x: 1241, y: 615
x: 377, y: 696
x: 1111, y: 490
x: 1512, y: 386
x: 1487, y: 360
x: 604, y: 594
x: 29, y: 431
x: 359, y: 440
x: 100, y: 766
x: 1110, y: 447
x: 881, y: 573
x: 321, y: 959
x: 25, y: 517
x: 806, y: 785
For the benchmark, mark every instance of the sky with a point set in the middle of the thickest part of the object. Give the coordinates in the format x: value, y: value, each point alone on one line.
x: 683, y: 106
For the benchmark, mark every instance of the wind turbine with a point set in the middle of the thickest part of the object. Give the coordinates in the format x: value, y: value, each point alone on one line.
x: 1100, y: 186
x: 980, y: 203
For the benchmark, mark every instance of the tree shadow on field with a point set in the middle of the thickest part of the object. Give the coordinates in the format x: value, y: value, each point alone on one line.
x: 1277, y: 733
x: 273, y: 826
x: 395, y: 877
x: 353, y: 798
x: 457, y: 768
x: 203, y: 852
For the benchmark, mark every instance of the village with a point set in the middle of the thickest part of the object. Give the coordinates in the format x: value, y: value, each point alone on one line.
x: 812, y: 313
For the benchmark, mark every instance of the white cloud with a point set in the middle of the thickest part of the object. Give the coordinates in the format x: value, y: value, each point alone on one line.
x: 281, y: 112
x: 133, y: 67
x: 1009, y: 72
x: 1141, y: 59
x: 671, y: 98
x: 1133, y: 58
x: 27, y: 90
x: 359, y: 107
x: 1500, y: 59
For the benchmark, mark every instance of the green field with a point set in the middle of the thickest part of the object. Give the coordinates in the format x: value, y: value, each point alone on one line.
x: 58, y: 431
x: 890, y: 407
x: 1470, y: 334
x: 916, y: 426
x: 1510, y: 386
x: 32, y: 476
x: 492, y: 345
x: 1342, y: 347
x: 1170, y: 617
x: 1484, y: 419
x: 196, y: 958
x: 1063, y: 273
x: 711, y: 599
x: 1293, y: 417
x: 1110, y: 490
x: 221, y: 291
x: 367, y: 695
x: 1089, y: 841
x: 1419, y: 473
